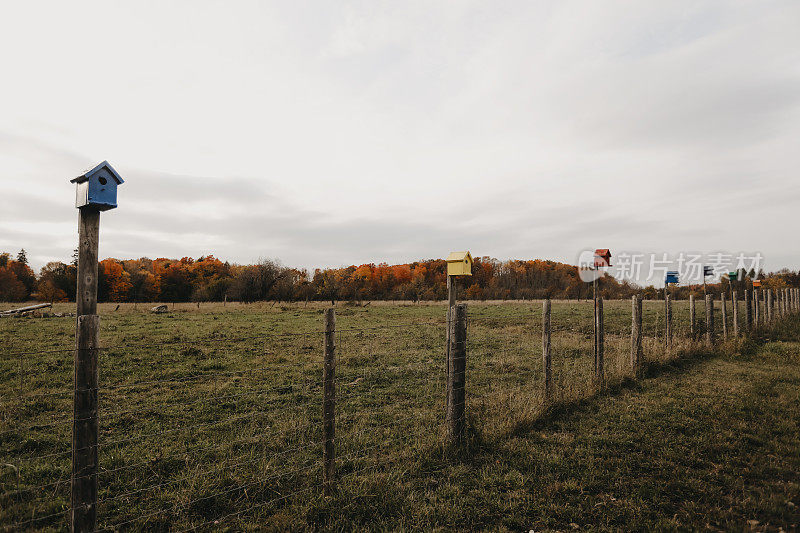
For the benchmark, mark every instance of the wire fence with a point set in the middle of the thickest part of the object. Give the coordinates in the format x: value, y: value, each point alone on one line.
x: 228, y: 431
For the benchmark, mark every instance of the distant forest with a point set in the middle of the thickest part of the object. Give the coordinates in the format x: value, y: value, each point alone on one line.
x: 209, y: 279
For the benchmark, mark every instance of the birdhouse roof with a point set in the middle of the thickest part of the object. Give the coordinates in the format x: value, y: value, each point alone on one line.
x: 458, y: 256
x: 602, y: 252
x: 94, y: 170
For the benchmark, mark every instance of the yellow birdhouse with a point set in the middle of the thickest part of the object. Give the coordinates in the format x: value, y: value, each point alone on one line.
x: 459, y: 264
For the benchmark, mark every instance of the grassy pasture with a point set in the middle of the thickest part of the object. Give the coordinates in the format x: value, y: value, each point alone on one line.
x: 211, y: 416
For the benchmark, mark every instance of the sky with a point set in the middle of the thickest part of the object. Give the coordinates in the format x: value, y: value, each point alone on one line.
x: 327, y: 134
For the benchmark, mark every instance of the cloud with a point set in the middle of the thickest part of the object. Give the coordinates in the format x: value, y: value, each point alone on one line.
x: 368, y: 131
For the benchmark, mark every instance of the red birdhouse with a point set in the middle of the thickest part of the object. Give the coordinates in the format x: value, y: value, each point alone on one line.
x: 602, y: 258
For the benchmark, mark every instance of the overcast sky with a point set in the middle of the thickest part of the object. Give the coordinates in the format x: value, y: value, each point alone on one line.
x: 333, y: 133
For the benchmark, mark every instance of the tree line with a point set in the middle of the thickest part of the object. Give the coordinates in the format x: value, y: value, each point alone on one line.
x: 210, y: 279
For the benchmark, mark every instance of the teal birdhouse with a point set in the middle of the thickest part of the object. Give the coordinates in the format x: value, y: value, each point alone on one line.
x: 97, y: 188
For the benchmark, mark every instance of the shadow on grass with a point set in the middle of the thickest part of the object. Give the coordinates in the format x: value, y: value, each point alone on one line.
x: 786, y: 329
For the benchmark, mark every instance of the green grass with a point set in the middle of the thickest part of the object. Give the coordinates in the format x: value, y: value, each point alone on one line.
x: 214, y: 413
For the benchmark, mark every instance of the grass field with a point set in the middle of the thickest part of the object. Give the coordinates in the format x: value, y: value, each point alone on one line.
x: 211, y: 418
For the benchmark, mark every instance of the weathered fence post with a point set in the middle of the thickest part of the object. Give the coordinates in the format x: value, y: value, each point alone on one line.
x: 782, y: 302
x: 546, y: 362
x: 770, y: 307
x: 668, y: 321
x: 748, y: 309
x: 735, y: 308
x: 709, y: 320
x: 765, y: 306
x: 329, y: 403
x: 85, y: 428
x: 636, y: 336
x: 692, y: 326
x: 456, y: 422
x: 724, y: 316
x: 599, y: 377
x: 451, y: 302
x: 755, y: 308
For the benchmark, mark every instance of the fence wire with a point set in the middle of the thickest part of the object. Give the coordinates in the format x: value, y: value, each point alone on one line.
x: 226, y: 430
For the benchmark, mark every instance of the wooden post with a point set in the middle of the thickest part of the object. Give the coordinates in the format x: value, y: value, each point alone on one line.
x: 770, y: 308
x: 748, y: 309
x: 329, y: 403
x: 668, y: 321
x: 782, y: 302
x: 85, y: 429
x: 724, y: 316
x: 735, y: 307
x: 598, y: 361
x: 456, y: 422
x: 546, y: 361
x: 636, y: 336
x: 594, y: 319
x: 451, y: 302
x: 709, y: 320
x: 692, y: 327
x: 756, y: 310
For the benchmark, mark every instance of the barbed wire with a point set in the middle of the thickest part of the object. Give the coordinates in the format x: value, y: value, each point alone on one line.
x: 362, y: 372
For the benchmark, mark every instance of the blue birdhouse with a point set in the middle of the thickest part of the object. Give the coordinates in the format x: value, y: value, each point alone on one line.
x: 97, y: 187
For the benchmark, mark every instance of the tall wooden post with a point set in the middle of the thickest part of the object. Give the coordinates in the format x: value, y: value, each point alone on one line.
x: 770, y: 308
x: 599, y: 376
x: 748, y: 309
x: 546, y: 358
x: 451, y: 302
x: 709, y: 320
x: 782, y: 302
x: 636, y: 336
x: 692, y: 326
x: 668, y: 321
x: 724, y: 316
x: 456, y: 422
x: 756, y: 308
x: 594, y: 320
x: 735, y: 308
x: 329, y: 403
x: 85, y: 428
